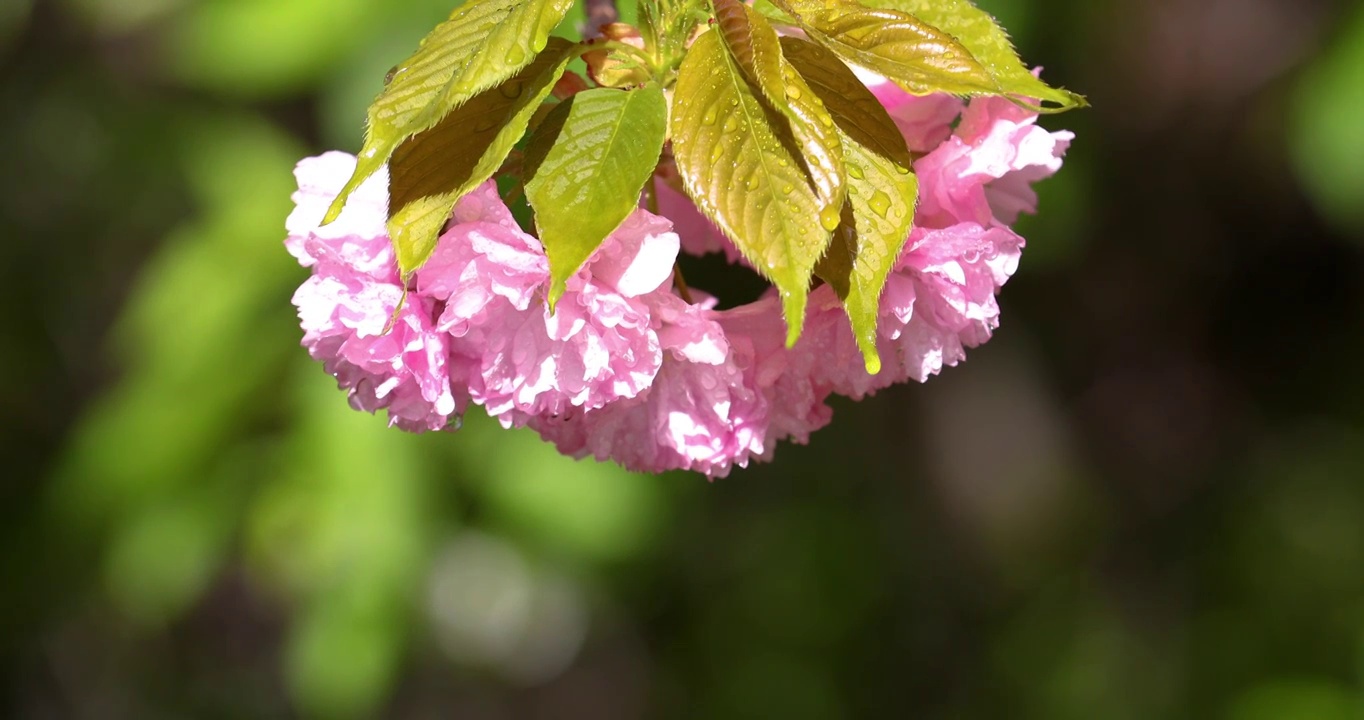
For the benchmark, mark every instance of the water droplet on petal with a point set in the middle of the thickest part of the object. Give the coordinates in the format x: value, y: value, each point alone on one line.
x: 516, y: 56
x: 510, y: 89
x: 715, y: 152
x: 710, y: 116
x: 731, y: 124
x: 793, y: 92
x: 856, y: 172
x: 786, y: 189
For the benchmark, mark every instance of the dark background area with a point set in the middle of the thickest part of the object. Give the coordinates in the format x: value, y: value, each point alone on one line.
x: 1143, y: 499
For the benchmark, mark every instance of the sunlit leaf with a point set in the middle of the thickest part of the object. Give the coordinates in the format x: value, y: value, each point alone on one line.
x: 773, y: 13
x: 988, y: 42
x: 484, y: 43
x: 432, y: 170
x: 754, y: 45
x: 881, y: 191
x: 603, y: 147
x: 910, y: 52
x: 742, y: 168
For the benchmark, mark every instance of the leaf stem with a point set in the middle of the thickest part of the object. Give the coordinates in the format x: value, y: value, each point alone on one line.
x: 651, y: 202
x: 680, y: 285
x: 643, y: 57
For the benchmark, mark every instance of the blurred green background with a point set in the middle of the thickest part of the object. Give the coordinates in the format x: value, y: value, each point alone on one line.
x: 1143, y: 499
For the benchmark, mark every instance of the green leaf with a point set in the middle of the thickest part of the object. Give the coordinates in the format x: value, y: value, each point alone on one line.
x: 881, y: 191
x: 604, y: 144
x: 740, y: 163
x: 432, y: 170
x: 988, y: 43
x: 754, y: 45
x: 910, y: 52
x: 482, y: 44
x: 773, y: 13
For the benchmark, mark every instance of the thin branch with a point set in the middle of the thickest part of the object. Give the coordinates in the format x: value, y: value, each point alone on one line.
x: 651, y: 204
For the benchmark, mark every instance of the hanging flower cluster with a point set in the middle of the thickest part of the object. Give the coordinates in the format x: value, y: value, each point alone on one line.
x: 424, y: 301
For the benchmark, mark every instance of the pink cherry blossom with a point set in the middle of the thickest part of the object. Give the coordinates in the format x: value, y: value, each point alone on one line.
x: 346, y: 307
x: 983, y: 173
x: 623, y: 368
x: 940, y: 299
x: 516, y: 357
x: 701, y: 412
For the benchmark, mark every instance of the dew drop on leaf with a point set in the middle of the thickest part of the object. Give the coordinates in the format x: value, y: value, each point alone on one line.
x: 828, y: 217
x: 856, y: 172
x: 731, y: 124
x: 879, y: 203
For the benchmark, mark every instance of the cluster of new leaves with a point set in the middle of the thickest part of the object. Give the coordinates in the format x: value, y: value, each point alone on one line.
x: 773, y: 135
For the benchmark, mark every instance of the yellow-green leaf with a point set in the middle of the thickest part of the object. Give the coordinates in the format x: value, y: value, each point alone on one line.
x: 432, y: 170
x: 773, y: 13
x: 989, y: 43
x: 603, y: 145
x: 739, y: 162
x: 754, y: 45
x: 482, y: 44
x: 908, y: 51
x: 881, y: 191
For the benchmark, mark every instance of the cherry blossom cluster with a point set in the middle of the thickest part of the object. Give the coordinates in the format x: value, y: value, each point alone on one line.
x: 625, y: 368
